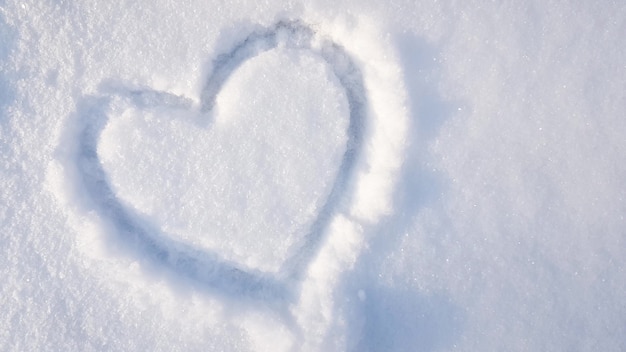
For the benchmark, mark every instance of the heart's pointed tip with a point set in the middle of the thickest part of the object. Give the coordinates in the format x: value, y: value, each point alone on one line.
x: 204, y: 119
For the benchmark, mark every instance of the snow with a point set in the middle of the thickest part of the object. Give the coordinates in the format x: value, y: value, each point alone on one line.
x: 312, y: 176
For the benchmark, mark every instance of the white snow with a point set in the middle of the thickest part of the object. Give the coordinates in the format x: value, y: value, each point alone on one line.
x: 312, y: 176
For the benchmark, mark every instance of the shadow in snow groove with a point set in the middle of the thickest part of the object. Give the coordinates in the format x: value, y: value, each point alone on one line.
x: 203, y: 266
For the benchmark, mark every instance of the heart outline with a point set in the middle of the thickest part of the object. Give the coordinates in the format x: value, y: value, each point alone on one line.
x: 204, y: 266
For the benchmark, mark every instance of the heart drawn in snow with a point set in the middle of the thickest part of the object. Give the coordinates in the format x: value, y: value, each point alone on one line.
x: 201, y: 256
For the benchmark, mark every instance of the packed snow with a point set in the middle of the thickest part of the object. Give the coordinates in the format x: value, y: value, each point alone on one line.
x: 312, y: 176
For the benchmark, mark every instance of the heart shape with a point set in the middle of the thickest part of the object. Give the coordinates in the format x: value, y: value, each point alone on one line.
x: 269, y: 161
x: 203, y: 265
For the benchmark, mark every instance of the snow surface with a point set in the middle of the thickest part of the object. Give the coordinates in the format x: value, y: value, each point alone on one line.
x: 312, y: 176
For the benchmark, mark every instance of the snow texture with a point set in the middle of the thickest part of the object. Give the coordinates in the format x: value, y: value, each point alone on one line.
x: 312, y: 176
